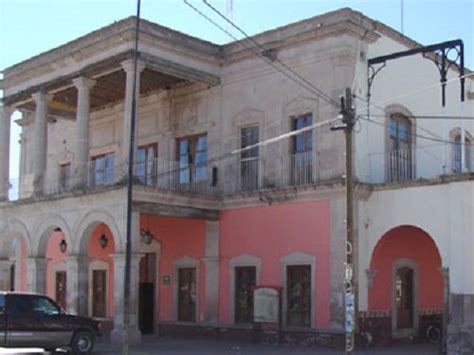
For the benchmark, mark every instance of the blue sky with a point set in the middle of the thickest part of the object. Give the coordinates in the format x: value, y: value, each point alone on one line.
x: 29, y: 27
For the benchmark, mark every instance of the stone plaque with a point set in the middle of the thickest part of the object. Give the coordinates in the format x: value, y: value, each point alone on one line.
x: 266, y: 305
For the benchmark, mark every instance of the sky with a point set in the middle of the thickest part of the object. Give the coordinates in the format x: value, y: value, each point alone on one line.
x: 30, y: 27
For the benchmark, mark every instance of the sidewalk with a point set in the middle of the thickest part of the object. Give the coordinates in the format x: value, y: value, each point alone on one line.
x: 151, y: 345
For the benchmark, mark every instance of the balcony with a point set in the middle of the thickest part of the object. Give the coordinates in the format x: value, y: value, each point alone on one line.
x: 422, y: 162
x: 204, y: 179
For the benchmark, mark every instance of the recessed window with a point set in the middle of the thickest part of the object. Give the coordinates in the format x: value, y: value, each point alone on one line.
x: 65, y: 175
x: 102, y: 170
x: 457, y: 154
x: 147, y: 164
x: 249, y: 158
x: 245, y: 280
x: 298, y: 295
x: 192, y: 159
x: 399, y: 160
x: 301, y: 160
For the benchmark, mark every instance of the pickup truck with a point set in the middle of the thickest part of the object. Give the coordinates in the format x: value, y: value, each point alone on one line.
x: 31, y: 320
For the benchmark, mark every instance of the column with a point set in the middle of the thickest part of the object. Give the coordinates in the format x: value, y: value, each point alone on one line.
x: 128, y: 67
x: 77, y: 286
x: 5, y: 121
x: 5, y: 267
x: 36, y: 275
x: 81, y: 153
x: 40, y: 139
x: 211, y: 260
x: 119, y: 272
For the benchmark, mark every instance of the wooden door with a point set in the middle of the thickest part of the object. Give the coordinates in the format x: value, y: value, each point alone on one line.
x: 99, y: 293
x: 187, y: 295
x: 404, y: 298
x: 245, y: 279
x: 61, y: 288
x: 146, y: 293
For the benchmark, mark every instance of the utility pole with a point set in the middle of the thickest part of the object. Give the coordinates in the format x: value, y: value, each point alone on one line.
x: 350, y: 283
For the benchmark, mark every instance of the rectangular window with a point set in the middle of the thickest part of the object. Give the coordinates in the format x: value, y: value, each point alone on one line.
x: 65, y: 176
x: 298, y: 295
x: 399, y: 162
x: 244, y: 285
x: 147, y: 165
x: 249, y: 159
x: 99, y: 294
x: 301, y: 162
x: 102, y: 170
x: 192, y: 159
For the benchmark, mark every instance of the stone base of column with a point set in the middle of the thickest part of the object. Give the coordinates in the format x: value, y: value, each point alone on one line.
x: 460, y: 337
x: 117, y: 336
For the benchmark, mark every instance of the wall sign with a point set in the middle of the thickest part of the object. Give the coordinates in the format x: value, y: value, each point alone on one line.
x: 266, y: 305
x: 166, y: 279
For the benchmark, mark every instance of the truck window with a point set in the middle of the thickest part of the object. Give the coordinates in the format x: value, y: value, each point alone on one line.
x: 20, y: 304
x: 2, y: 304
x: 45, y: 306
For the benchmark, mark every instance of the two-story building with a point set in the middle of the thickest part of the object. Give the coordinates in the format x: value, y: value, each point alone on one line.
x: 211, y: 220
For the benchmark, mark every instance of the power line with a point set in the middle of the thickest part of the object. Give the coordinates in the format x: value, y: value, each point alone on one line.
x: 302, y: 82
x: 327, y: 98
x: 440, y: 140
x: 429, y: 117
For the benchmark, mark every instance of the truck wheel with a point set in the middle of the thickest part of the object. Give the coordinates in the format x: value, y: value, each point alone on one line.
x: 82, y: 343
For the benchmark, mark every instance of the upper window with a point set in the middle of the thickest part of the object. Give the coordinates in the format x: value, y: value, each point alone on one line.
x: 65, y: 175
x: 302, y: 142
x: 102, y: 170
x: 192, y: 158
x: 301, y: 160
x: 146, y: 167
x: 249, y: 158
x: 399, y: 159
x: 457, y: 154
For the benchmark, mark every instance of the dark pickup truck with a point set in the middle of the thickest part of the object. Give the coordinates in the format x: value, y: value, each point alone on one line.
x: 30, y: 320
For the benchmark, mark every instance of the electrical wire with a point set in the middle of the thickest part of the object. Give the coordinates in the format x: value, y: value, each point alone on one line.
x: 429, y: 117
x: 302, y: 81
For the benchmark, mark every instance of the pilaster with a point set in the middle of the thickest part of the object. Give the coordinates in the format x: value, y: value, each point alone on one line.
x: 77, y: 286
x: 211, y: 261
x: 5, y: 267
x: 36, y: 275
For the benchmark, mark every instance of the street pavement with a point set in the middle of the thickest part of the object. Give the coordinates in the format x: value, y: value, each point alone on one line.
x: 151, y: 345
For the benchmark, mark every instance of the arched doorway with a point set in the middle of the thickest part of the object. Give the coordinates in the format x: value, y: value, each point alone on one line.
x: 408, y: 284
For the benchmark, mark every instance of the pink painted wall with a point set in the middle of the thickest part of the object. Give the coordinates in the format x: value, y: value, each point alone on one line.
x: 412, y: 243
x: 53, y: 256
x: 271, y: 232
x: 179, y: 237
x: 96, y: 252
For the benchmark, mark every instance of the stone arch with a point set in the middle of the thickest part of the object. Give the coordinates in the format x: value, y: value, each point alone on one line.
x: 86, y: 225
x: 45, y: 228
x: 15, y: 229
x: 411, y: 246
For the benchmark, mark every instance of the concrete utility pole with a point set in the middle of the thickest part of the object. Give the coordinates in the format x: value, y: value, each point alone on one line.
x: 350, y: 284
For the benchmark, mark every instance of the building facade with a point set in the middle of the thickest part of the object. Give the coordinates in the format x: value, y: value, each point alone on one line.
x: 212, y: 220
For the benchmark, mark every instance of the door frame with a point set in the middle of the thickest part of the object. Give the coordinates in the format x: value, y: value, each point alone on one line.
x: 398, y: 264
x: 104, y: 266
x: 181, y: 263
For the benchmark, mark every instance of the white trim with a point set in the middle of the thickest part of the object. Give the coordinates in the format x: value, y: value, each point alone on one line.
x: 239, y: 261
x: 298, y: 258
x: 98, y: 265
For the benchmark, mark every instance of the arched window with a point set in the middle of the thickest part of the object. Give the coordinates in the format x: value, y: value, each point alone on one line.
x: 400, y: 162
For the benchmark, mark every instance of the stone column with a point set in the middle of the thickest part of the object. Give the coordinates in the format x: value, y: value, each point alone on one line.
x: 128, y: 67
x: 40, y: 139
x: 5, y: 267
x: 81, y: 153
x: 119, y: 272
x: 77, y: 286
x: 36, y: 275
x: 211, y: 260
x: 5, y: 122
